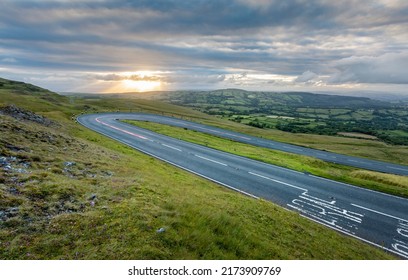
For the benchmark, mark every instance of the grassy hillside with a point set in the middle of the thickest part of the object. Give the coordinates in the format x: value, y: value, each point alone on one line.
x: 69, y: 193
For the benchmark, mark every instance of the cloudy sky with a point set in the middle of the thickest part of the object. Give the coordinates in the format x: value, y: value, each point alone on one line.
x: 141, y: 45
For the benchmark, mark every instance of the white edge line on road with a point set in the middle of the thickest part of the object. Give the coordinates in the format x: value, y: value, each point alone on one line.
x: 174, y: 164
x: 123, y: 130
x: 217, y: 162
x: 260, y: 162
x: 293, y: 149
x: 355, y: 236
x: 378, y: 212
x: 277, y: 181
x: 397, y: 168
x: 174, y: 148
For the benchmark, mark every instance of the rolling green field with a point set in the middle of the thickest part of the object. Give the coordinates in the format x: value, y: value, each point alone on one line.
x: 69, y: 193
x: 302, y: 112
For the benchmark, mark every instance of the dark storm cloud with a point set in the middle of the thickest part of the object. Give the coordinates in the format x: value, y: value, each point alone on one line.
x: 332, y: 38
x: 173, y: 16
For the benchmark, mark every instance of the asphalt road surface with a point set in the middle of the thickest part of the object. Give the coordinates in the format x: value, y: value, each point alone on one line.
x: 371, y: 216
x: 358, y: 162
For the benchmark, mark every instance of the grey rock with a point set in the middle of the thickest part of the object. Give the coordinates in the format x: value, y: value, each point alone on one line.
x: 69, y: 163
x: 161, y: 230
x: 21, y: 114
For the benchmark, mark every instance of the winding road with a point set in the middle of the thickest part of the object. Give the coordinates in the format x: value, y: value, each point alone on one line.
x: 377, y: 218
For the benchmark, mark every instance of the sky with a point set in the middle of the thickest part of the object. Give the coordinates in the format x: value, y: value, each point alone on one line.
x: 149, y: 45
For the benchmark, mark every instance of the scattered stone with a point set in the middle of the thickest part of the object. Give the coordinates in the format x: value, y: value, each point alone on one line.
x: 92, y: 197
x: 14, y: 191
x: 107, y: 173
x: 92, y: 203
x: 8, y: 213
x: 12, y: 164
x: 161, y: 230
x: 69, y: 163
x: 21, y: 114
x: 14, y: 148
x: 7, y: 160
x: 3, y: 161
x: 21, y: 170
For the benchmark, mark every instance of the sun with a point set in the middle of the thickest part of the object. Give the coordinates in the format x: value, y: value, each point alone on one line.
x: 140, y: 85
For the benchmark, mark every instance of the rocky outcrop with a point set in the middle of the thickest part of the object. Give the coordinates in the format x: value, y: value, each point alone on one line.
x: 21, y: 114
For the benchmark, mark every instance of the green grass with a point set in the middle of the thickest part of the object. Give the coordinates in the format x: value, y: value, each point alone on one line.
x: 135, y: 196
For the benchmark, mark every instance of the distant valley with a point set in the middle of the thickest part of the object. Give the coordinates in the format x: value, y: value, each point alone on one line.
x: 302, y: 112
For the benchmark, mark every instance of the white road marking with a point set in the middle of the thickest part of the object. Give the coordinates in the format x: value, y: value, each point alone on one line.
x: 401, y: 245
x: 171, y: 147
x: 239, y: 136
x: 217, y: 162
x: 331, y: 206
x: 352, y: 160
x: 378, y: 212
x: 357, y: 237
x: 216, y: 132
x: 322, y: 210
x: 402, y: 248
x: 293, y: 149
x: 277, y: 181
x: 327, y: 212
x: 403, y: 229
x: 125, y: 131
x: 403, y: 232
x: 397, y: 168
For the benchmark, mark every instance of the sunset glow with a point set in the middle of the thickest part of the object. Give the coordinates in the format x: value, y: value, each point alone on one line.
x: 136, y: 46
x: 140, y: 85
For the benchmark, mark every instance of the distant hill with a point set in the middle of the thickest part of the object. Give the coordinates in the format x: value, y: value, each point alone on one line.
x: 226, y: 97
x: 303, y: 112
x: 21, y: 87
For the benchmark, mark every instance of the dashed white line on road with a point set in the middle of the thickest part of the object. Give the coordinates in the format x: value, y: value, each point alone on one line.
x: 293, y: 149
x: 277, y: 181
x: 378, y: 212
x: 397, y: 168
x: 171, y: 147
x: 212, y: 160
x: 125, y: 131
